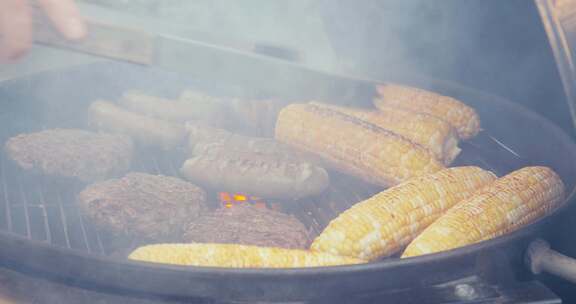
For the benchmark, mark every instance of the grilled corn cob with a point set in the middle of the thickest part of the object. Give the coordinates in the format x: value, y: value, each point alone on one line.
x: 459, y: 115
x: 432, y: 133
x: 353, y: 146
x: 509, y: 203
x: 386, y: 222
x: 236, y: 256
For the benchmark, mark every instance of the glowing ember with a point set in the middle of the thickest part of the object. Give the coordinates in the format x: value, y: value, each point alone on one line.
x: 230, y: 200
x: 225, y: 197
x: 240, y: 197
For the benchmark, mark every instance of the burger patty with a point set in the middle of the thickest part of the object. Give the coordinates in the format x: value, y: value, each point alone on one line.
x: 75, y: 153
x: 249, y: 225
x: 152, y: 207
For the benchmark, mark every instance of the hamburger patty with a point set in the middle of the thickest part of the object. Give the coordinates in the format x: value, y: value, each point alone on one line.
x: 248, y: 225
x: 153, y: 207
x: 80, y: 154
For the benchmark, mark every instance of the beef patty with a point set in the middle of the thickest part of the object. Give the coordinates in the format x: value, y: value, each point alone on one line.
x: 151, y: 207
x: 74, y: 153
x: 249, y: 225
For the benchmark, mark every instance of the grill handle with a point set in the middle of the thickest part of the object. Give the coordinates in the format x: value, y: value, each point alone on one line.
x: 541, y: 258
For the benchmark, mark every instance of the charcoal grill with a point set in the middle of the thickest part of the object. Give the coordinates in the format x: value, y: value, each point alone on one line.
x: 42, y: 231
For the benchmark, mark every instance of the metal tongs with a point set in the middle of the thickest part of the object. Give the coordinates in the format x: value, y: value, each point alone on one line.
x: 208, y: 61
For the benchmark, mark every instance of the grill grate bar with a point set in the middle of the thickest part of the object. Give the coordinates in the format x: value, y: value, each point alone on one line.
x: 338, y: 205
x: 47, y: 205
x: 99, y: 242
x: 7, y: 209
x: 83, y: 230
x: 63, y: 220
x: 313, y: 224
x: 45, y: 216
x: 317, y: 213
x: 25, y: 207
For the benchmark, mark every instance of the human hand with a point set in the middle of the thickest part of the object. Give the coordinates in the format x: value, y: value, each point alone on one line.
x: 16, y: 24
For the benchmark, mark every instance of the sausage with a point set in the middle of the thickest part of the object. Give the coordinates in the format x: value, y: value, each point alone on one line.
x: 260, y: 174
x: 256, y: 166
x: 191, y: 106
x: 143, y: 129
x: 202, y: 137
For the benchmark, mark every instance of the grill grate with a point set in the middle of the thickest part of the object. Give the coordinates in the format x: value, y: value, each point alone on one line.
x: 43, y: 208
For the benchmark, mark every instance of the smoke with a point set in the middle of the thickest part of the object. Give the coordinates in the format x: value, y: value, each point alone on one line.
x: 289, y: 26
x: 495, y: 46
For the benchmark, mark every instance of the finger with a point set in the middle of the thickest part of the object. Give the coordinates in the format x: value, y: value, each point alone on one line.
x: 15, y: 29
x: 65, y: 16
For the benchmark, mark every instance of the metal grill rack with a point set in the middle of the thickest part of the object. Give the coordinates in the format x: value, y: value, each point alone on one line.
x: 43, y: 208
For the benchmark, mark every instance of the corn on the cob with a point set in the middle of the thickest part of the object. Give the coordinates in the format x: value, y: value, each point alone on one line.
x: 509, y: 203
x: 236, y: 256
x: 386, y: 222
x: 432, y: 133
x: 353, y: 146
x: 459, y: 115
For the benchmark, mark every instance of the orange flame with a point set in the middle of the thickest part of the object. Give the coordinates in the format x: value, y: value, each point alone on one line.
x: 229, y: 200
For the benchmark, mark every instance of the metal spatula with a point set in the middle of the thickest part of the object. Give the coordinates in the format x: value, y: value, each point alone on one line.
x: 206, y: 61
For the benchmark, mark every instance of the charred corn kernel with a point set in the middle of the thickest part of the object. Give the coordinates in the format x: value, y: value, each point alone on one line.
x: 459, y: 115
x: 386, y: 222
x: 236, y: 256
x: 353, y: 146
x: 435, y: 134
x: 509, y: 203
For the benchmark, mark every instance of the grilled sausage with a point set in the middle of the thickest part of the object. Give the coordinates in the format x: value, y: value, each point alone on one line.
x: 260, y: 174
x: 253, y: 165
x: 145, y: 130
x: 191, y: 106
